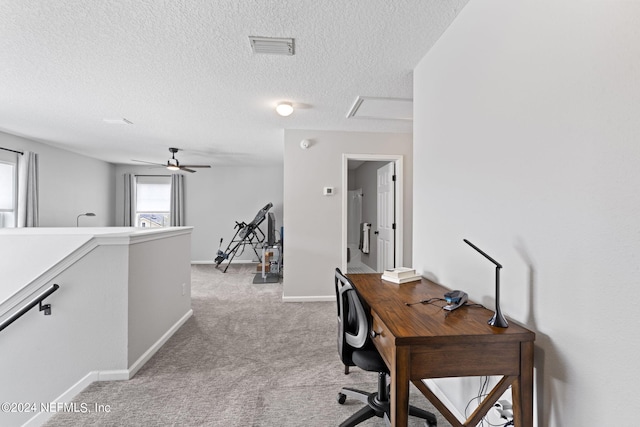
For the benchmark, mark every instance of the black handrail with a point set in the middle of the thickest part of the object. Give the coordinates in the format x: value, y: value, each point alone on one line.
x: 38, y: 300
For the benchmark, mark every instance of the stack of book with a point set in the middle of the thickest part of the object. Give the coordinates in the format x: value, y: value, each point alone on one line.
x: 400, y: 275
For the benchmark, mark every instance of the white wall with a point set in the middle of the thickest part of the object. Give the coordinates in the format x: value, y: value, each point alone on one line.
x: 159, y: 290
x: 215, y: 198
x: 70, y: 184
x: 313, y: 222
x: 526, y: 129
x: 120, y: 298
x: 44, y: 356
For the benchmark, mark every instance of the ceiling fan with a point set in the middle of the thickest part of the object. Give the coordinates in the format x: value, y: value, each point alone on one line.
x: 173, y: 164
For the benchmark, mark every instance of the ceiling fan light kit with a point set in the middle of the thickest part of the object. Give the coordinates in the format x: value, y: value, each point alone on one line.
x: 173, y: 164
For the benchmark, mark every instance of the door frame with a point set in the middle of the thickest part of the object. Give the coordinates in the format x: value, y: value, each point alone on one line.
x: 399, y: 200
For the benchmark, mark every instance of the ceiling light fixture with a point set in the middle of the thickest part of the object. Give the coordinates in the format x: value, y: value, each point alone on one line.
x: 284, y: 109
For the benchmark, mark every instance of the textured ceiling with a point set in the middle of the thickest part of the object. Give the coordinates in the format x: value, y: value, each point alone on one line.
x: 184, y: 74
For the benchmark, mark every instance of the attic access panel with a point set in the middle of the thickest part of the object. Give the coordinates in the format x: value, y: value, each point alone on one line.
x: 367, y: 107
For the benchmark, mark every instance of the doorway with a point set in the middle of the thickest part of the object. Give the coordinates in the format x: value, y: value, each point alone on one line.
x: 371, y: 235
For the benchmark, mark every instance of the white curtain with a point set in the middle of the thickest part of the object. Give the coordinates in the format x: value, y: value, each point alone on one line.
x: 28, y: 190
x: 129, y: 200
x: 177, y: 200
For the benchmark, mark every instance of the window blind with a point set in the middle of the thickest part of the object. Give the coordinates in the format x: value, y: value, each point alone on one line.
x: 153, y: 193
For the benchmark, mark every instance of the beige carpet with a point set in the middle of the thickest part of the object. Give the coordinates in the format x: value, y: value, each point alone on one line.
x: 244, y: 359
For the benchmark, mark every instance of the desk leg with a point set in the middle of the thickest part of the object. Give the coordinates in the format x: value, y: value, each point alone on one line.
x: 400, y: 388
x: 522, y: 388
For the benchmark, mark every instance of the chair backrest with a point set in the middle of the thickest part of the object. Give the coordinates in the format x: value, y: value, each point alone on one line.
x: 353, y: 323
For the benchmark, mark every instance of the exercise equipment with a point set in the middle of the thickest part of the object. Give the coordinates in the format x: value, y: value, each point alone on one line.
x: 246, y: 234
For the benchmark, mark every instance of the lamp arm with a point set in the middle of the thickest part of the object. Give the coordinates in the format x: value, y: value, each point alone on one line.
x: 498, y: 265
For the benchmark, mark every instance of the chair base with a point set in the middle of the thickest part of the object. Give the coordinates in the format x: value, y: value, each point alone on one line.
x: 376, y: 407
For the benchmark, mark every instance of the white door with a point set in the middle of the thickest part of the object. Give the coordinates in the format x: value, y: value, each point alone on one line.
x: 386, y: 232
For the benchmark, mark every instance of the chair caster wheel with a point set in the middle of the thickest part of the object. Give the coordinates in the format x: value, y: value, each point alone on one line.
x: 342, y: 398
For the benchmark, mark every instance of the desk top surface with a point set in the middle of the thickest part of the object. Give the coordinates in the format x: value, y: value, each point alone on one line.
x: 422, y: 323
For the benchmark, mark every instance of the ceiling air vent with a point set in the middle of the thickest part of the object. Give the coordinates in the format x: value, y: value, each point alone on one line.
x: 272, y: 45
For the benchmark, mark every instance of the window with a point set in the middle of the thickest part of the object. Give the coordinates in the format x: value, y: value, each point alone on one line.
x: 153, y: 201
x: 7, y: 194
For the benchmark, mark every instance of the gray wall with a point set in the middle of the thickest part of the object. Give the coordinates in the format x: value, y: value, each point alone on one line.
x: 526, y: 133
x: 215, y: 198
x: 366, y: 177
x: 70, y: 184
x: 313, y: 222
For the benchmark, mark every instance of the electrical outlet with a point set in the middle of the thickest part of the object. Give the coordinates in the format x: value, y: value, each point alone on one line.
x: 505, y: 414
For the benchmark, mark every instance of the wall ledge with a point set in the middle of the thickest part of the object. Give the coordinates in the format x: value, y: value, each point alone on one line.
x: 106, y: 236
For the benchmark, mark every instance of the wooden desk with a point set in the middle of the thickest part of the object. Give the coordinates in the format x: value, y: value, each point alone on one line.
x: 420, y: 341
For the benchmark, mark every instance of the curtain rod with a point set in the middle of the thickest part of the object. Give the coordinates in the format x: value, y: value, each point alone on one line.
x: 152, y: 175
x: 13, y: 151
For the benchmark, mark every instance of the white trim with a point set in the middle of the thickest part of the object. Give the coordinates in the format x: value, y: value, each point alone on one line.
x: 37, y: 286
x: 309, y: 299
x: 398, y: 159
x: 67, y: 396
x: 437, y: 391
x: 112, y: 375
x: 235, y: 261
x: 163, y: 233
x: 135, y: 367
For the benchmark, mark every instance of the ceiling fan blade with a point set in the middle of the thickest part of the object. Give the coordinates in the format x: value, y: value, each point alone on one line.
x: 196, y: 166
x: 149, y: 163
x: 186, y: 169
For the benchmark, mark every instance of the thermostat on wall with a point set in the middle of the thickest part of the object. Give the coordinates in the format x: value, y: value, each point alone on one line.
x: 328, y: 191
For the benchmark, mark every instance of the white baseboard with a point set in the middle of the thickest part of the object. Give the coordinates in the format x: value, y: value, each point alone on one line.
x: 235, y: 261
x: 42, y: 417
x: 115, y: 375
x: 431, y: 384
x: 135, y: 367
x: 112, y: 375
x: 309, y: 299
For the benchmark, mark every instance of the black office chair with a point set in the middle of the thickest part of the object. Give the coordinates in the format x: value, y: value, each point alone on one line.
x: 356, y: 349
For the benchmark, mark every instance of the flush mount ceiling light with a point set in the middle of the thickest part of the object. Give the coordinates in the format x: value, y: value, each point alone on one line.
x: 272, y: 45
x: 284, y: 109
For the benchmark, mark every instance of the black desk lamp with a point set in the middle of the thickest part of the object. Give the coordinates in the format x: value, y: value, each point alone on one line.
x: 498, y: 319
